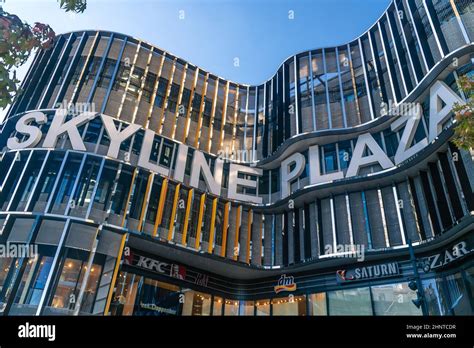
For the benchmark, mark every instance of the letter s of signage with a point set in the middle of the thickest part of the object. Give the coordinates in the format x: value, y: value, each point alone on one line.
x: 23, y: 126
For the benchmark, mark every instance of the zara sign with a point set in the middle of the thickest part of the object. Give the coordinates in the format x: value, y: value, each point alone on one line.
x: 442, y: 99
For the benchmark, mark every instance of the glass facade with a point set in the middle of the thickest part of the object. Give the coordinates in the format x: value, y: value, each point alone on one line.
x: 332, y: 88
x: 450, y: 295
x: 378, y: 300
x: 317, y: 304
x: 350, y: 302
x: 291, y: 305
x: 394, y: 299
x: 84, y: 207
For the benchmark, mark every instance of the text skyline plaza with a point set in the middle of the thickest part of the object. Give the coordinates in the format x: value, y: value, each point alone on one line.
x: 409, y: 122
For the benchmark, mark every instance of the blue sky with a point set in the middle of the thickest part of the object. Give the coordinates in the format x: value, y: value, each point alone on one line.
x: 215, y: 32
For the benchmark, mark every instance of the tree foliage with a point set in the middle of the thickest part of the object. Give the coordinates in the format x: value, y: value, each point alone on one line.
x: 463, y: 114
x: 77, y: 6
x: 17, y: 42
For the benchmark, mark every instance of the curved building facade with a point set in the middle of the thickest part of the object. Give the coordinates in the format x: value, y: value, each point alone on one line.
x: 132, y: 182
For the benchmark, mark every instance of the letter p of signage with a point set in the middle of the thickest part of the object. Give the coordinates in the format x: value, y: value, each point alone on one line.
x: 288, y: 175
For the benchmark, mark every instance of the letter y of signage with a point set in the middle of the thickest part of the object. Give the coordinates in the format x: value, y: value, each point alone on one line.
x: 117, y: 136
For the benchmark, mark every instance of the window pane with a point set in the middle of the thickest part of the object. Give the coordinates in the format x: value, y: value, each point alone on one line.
x: 291, y: 305
x: 330, y: 158
x: 470, y: 279
x: 5, y: 266
x: 263, y: 307
x: 246, y: 308
x: 66, y: 184
x: 196, y: 303
x: 466, y: 11
x: 345, y: 153
x: 444, y: 17
x: 317, y: 304
x: 156, y: 299
x: 319, y: 86
x: 231, y: 308
x: 394, y: 299
x: 31, y: 286
x: 217, y: 306
x: 458, y: 295
x: 123, y: 302
x: 350, y: 302
x: 436, y: 302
